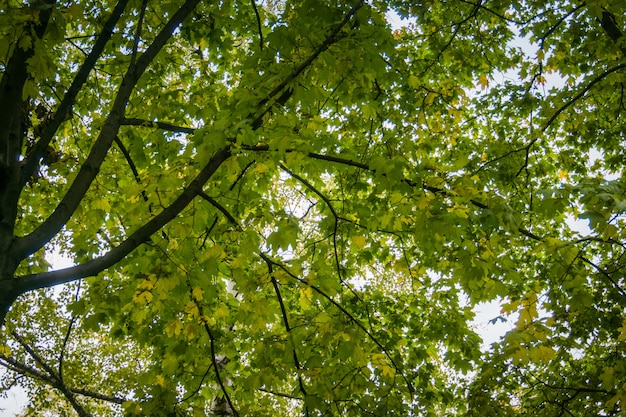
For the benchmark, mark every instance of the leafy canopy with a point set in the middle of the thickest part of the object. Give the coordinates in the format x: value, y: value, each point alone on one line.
x: 294, y: 208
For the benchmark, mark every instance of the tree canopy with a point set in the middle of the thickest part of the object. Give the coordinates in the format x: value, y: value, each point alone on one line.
x: 294, y: 208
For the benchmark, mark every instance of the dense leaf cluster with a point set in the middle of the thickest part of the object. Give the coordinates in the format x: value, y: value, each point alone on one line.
x: 295, y: 207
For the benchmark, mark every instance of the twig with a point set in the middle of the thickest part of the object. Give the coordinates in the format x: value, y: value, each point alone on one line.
x: 142, y: 13
x: 161, y: 125
x: 582, y: 93
x: 283, y: 311
x: 605, y: 274
x: 69, y: 395
x: 348, y: 315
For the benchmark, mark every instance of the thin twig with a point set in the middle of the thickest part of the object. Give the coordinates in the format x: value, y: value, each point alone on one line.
x: 142, y: 13
x: 283, y: 311
x: 605, y: 274
x: 69, y: 395
x: 67, y: 334
x: 161, y: 125
x: 348, y: 315
x: 582, y: 93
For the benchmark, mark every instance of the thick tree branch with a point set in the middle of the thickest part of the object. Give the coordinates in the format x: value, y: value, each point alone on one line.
x: 65, y: 108
x: 14, y: 76
x: 89, y: 170
x: 23, y: 284
x: 13, y: 115
x: 28, y: 244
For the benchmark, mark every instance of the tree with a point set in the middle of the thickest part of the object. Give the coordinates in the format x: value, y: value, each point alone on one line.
x: 292, y: 208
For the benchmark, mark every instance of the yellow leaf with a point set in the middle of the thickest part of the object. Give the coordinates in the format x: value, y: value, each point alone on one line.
x: 379, y: 359
x: 343, y: 336
x: 192, y: 309
x: 5, y: 351
x: 160, y: 380
x: 414, y: 82
x: 483, y: 82
x: 306, y: 292
x: 622, y: 331
x: 459, y: 212
x: 520, y: 355
x: 142, y: 297
x: 235, y: 263
x: 102, y: 204
x: 260, y: 168
x: 608, y: 378
x: 173, y: 328
x: 209, y: 321
x: 542, y: 354
x: 359, y: 241
x: 220, y: 312
x: 198, y: 293
x: 305, y: 298
x: 540, y: 54
x: 387, y: 371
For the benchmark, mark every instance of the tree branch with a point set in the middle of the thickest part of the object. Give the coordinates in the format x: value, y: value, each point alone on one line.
x: 130, y: 162
x: 258, y: 23
x: 283, y: 311
x: 13, y: 116
x: 28, y: 371
x: 65, y: 108
x: 142, y: 13
x: 336, y: 217
x: 605, y: 274
x: 27, y: 245
x: 609, y: 25
x: 582, y: 93
x: 330, y: 39
x: 214, y: 360
x: 23, y: 369
x: 58, y: 381
x: 48, y: 279
x: 221, y: 208
x: 160, y: 125
x: 348, y: 315
x: 96, y: 395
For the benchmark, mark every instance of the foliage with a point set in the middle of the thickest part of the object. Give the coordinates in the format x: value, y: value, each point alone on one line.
x: 293, y: 208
